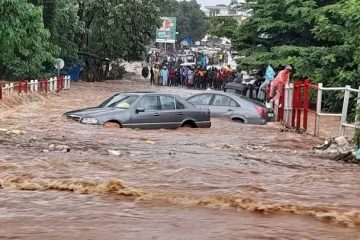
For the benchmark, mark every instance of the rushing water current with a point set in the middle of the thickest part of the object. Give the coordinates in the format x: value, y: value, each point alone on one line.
x: 232, y: 181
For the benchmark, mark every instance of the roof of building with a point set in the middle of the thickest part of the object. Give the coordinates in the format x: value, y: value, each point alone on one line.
x: 219, y: 6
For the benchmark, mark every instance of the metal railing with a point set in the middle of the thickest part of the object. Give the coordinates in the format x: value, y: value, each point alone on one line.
x: 344, y: 113
x: 40, y: 86
x: 296, y: 105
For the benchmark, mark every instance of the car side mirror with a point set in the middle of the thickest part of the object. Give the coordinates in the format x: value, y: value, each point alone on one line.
x: 139, y: 109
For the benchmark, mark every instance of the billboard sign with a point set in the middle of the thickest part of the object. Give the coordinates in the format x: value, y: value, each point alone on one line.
x: 167, y: 32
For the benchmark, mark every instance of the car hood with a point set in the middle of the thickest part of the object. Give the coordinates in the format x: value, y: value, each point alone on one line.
x: 93, y: 112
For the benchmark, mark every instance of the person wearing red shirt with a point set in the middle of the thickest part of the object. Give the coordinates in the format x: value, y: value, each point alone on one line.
x: 172, y: 76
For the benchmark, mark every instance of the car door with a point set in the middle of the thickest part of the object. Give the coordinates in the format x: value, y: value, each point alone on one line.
x: 222, y: 105
x: 170, y: 116
x: 150, y: 115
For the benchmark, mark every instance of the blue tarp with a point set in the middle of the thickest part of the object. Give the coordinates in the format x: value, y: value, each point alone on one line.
x: 75, y: 73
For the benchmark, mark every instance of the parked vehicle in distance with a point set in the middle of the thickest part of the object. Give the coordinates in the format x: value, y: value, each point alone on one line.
x: 248, y: 89
x: 144, y: 110
x: 237, y: 108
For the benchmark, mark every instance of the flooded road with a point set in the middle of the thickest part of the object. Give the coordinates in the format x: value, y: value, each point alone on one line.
x: 228, y: 182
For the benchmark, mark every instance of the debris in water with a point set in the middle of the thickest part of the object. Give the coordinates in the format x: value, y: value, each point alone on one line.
x: 115, y: 153
x: 62, y: 147
x: 341, y: 141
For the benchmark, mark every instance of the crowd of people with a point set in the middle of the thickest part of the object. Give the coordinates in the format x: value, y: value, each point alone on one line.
x: 268, y: 83
x: 192, y: 77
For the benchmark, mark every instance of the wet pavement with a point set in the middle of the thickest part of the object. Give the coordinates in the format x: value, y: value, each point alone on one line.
x: 232, y: 181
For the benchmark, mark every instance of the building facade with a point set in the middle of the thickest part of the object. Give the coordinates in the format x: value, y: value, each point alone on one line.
x: 223, y: 10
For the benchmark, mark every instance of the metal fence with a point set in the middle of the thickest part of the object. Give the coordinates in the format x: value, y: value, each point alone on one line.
x: 293, y: 109
x: 40, y: 86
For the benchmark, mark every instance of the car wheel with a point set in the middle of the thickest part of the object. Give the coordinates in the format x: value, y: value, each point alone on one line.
x: 188, y: 125
x: 238, y: 120
x: 112, y: 125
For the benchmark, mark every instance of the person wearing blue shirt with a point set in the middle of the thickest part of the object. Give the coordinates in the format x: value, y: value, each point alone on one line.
x: 269, y: 77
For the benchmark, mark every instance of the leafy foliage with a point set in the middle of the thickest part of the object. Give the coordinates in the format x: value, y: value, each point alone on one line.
x: 318, y: 37
x: 35, y: 31
x: 24, y: 41
x: 223, y: 27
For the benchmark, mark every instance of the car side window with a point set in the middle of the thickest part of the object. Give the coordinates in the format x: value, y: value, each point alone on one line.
x: 220, y: 100
x: 203, y: 99
x: 167, y: 103
x: 149, y: 103
x: 179, y: 105
x: 234, y: 104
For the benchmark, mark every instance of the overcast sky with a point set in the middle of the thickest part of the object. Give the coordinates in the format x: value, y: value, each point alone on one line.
x: 212, y: 2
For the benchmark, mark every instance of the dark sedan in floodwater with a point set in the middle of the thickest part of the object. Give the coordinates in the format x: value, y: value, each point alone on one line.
x: 144, y: 110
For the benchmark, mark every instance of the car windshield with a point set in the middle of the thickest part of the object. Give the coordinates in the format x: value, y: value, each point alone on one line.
x: 112, y: 99
x: 125, y: 102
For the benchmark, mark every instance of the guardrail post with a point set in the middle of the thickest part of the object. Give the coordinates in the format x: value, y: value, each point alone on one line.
x: 55, y: 84
x: 36, y: 82
x: 345, y: 109
x: 306, y: 102
x: 46, y: 83
x: 51, y: 81
x: 286, y: 104
x: 32, y: 85
x: 62, y: 80
x: 357, y: 112
x: 298, y: 106
x: 65, y: 82
x: 19, y: 88
x: 357, y: 108
x: 290, y: 104
x: 294, y: 105
x: 7, y: 88
x: 68, y: 82
x: 26, y: 87
x: 318, y: 109
x: 11, y: 90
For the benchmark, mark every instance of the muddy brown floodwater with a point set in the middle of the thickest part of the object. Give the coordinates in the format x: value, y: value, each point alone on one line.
x: 229, y: 182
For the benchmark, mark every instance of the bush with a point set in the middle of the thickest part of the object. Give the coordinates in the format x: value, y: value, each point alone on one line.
x: 117, y: 72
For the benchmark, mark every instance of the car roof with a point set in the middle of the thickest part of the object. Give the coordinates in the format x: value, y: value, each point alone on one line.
x: 137, y: 92
x: 142, y: 93
x: 232, y: 95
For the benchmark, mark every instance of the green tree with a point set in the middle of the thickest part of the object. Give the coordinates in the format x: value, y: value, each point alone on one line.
x: 24, y: 41
x: 223, y: 27
x: 308, y: 34
x: 115, y: 29
x: 31, y: 33
x: 320, y: 38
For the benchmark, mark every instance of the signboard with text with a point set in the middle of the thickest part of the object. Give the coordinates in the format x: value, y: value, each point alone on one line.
x: 167, y: 32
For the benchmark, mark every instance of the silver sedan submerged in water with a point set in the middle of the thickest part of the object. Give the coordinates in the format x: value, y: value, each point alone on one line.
x: 144, y: 110
x: 239, y: 109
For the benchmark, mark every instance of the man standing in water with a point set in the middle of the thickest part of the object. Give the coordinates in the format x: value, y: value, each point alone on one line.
x: 152, y: 76
x: 165, y: 76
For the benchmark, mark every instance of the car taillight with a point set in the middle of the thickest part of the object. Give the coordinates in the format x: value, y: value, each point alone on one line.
x: 261, y: 111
